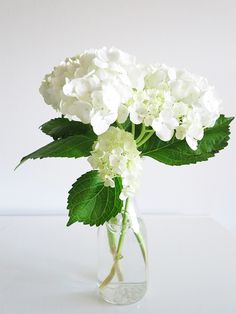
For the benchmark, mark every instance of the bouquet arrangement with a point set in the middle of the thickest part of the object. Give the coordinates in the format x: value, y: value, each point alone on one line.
x: 116, y: 111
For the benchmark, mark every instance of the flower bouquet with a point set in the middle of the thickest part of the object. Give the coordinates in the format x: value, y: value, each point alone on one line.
x: 116, y: 111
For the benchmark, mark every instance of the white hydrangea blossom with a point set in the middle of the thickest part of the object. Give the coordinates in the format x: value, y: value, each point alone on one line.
x: 52, y: 85
x: 175, y: 101
x: 102, y: 86
x: 96, y: 89
x: 115, y: 154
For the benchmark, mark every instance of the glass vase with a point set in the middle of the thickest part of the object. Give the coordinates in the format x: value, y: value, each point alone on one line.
x: 122, y: 258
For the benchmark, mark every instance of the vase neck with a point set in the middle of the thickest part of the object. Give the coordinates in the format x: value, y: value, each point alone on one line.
x: 133, y: 215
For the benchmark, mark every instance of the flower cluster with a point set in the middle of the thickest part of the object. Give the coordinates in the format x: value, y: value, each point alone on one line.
x: 102, y: 86
x: 94, y: 87
x: 115, y: 154
x: 175, y: 101
x: 52, y: 85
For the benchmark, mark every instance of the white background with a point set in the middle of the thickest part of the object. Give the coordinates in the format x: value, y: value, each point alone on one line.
x: 36, y: 35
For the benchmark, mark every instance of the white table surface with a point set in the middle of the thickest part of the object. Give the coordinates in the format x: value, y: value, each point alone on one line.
x: 47, y: 268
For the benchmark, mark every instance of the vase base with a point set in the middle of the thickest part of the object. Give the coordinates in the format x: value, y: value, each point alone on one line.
x: 123, y: 293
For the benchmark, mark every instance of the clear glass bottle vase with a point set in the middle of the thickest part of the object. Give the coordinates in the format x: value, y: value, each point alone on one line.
x: 122, y: 258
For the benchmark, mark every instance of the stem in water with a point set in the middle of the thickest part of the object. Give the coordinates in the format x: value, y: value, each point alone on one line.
x: 118, y: 255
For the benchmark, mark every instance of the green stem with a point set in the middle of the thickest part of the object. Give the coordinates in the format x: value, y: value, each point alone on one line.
x: 112, y: 244
x: 145, y: 138
x: 133, y: 129
x: 119, y: 125
x: 118, y: 255
x: 142, y: 133
x: 123, y: 231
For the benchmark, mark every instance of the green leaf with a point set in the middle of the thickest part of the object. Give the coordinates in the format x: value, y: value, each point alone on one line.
x: 61, y: 128
x: 176, y: 152
x: 92, y: 203
x: 71, y: 147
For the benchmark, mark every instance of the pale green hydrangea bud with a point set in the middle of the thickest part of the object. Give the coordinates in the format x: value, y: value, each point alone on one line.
x: 115, y: 154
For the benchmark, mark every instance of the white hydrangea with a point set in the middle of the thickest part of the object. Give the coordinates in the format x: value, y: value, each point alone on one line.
x: 115, y: 154
x: 175, y: 101
x: 94, y: 86
x: 102, y: 86
x: 52, y: 85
